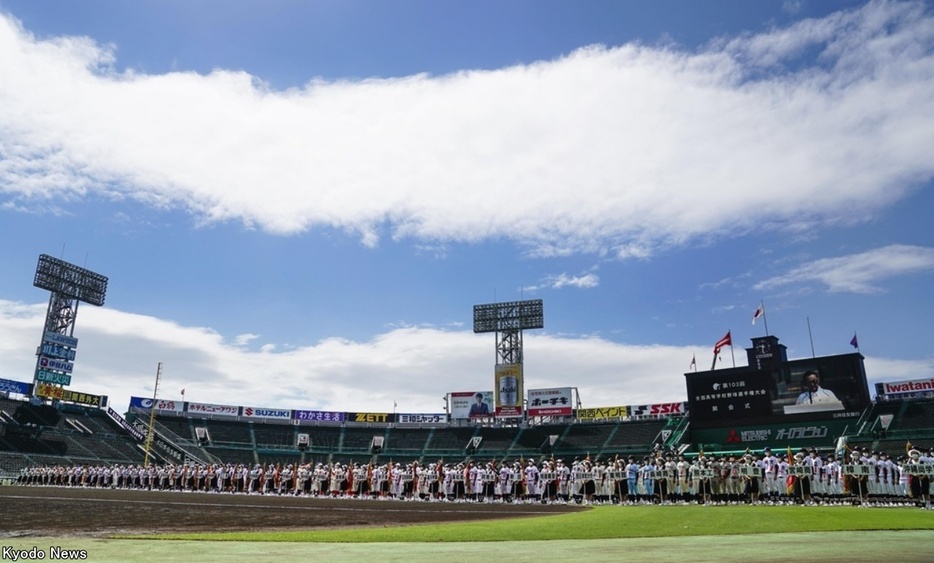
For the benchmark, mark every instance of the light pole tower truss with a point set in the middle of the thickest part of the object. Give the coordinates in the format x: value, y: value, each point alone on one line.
x: 508, y: 320
x: 69, y: 285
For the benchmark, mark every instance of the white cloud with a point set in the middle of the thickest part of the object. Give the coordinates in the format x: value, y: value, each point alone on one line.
x: 607, y: 150
x: 244, y: 339
x: 583, y: 281
x: 118, y: 354
x: 858, y: 273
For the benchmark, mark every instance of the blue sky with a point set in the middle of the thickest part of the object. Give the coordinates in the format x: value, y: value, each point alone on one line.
x: 298, y: 205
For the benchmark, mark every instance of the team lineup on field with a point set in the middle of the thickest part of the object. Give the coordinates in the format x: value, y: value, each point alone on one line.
x: 869, y: 478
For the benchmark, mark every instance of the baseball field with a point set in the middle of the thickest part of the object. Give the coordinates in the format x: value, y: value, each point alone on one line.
x: 39, y: 523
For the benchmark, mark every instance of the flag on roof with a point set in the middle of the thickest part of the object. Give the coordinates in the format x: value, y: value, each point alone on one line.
x: 759, y: 312
x: 725, y: 341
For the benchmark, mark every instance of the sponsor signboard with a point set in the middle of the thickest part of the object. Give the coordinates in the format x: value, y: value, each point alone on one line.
x: 47, y: 363
x: 10, y: 386
x: 258, y: 412
x: 59, y: 352
x: 907, y: 387
x: 550, y: 402
x: 319, y: 416
x: 801, y: 434
x: 602, y: 413
x: 53, y: 377
x: 368, y: 417
x: 60, y: 339
x: 436, y: 418
x: 52, y: 392
x: 471, y: 404
x: 508, y: 390
x: 208, y: 408
x: 658, y: 410
x: 160, y: 404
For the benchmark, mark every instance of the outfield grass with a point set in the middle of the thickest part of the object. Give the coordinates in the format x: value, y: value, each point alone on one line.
x: 614, y: 522
x: 605, y: 534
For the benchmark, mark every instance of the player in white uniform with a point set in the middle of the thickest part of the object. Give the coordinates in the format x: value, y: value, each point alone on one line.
x: 531, y: 481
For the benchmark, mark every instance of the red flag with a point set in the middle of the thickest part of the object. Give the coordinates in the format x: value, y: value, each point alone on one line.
x: 725, y: 341
x: 790, y: 480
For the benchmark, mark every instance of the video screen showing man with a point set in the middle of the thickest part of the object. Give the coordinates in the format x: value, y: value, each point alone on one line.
x: 812, y: 391
x: 479, y: 408
x: 813, y: 397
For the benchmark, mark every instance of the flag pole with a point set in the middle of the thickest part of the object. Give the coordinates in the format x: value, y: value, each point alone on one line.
x: 765, y: 319
x: 731, y: 343
x: 811, y: 337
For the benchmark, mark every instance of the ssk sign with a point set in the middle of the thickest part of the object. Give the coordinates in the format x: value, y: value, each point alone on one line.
x: 668, y: 408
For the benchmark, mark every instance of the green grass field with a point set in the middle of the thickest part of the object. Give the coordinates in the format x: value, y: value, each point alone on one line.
x: 660, y: 533
x: 615, y: 522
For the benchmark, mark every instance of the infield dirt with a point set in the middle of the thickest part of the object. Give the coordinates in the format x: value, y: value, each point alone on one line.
x: 78, y: 512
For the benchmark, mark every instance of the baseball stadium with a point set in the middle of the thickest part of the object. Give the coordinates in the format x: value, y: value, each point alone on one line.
x: 756, y: 459
x: 322, y: 218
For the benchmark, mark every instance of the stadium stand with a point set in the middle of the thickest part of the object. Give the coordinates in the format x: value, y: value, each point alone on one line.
x: 226, y: 432
x: 410, y: 441
x: 275, y: 436
x: 912, y: 421
x: 635, y: 436
x: 450, y: 441
x: 89, y: 435
x: 76, y: 435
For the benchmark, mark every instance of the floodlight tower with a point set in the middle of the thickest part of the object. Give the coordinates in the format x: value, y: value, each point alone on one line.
x: 508, y: 320
x: 69, y: 285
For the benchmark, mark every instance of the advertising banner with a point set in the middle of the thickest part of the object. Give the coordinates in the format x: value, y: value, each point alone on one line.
x: 54, y: 377
x: 319, y: 416
x: 60, y: 352
x: 658, y: 410
x: 57, y: 365
x: 60, y: 339
x: 377, y: 417
x: 436, y: 418
x: 551, y: 402
x: 215, y: 410
x: 908, y: 387
x: 471, y: 404
x: 52, y: 392
x: 160, y: 404
x: 602, y: 413
x: 776, y: 436
x: 10, y: 386
x: 508, y: 379
x: 258, y: 412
